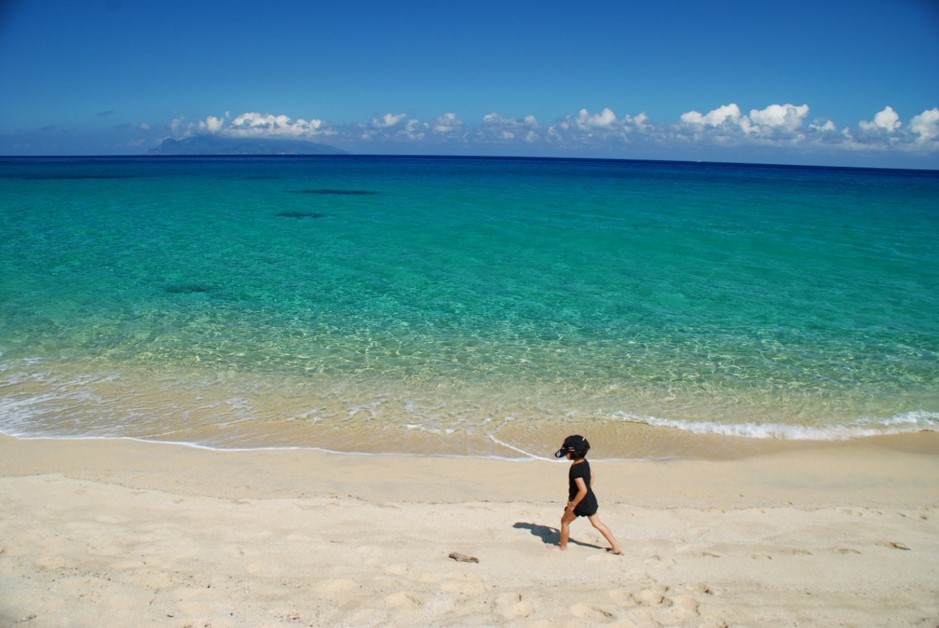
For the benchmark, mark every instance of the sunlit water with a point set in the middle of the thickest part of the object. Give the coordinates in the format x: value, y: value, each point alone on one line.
x: 461, y: 306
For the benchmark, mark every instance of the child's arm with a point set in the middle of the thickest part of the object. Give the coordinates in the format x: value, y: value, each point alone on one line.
x: 581, y: 493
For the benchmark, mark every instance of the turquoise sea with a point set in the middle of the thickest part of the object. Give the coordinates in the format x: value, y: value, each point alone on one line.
x: 465, y: 306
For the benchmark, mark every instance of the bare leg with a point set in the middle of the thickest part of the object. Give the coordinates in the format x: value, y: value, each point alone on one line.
x: 605, y: 531
x: 566, y: 520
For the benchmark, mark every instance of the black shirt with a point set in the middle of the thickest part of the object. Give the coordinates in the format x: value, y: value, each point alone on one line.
x: 588, y: 505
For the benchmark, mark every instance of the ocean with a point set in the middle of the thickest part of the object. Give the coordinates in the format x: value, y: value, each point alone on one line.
x: 470, y: 307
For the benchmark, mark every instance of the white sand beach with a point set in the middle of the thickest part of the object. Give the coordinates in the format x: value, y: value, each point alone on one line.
x: 126, y: 533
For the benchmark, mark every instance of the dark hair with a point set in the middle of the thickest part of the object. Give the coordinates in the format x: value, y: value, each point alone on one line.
x: 576, y: 445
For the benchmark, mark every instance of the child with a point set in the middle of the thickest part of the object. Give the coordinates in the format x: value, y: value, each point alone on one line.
x: 581, y: 500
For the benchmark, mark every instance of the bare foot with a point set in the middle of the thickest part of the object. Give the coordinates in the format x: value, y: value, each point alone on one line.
x: 615, y: 550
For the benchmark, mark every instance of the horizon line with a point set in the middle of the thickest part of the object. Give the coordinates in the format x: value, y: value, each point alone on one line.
x: 347, y: 155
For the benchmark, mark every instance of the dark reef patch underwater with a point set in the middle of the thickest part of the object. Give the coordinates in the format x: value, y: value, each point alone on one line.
x: 187, y: 288
x: 335, y: 192
x: 300, y: 215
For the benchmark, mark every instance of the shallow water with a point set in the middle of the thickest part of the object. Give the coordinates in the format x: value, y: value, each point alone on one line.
x: 468, y: 306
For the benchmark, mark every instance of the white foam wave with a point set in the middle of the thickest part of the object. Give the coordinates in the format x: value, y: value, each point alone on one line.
x: 527, y: 454
x: 909, y: 422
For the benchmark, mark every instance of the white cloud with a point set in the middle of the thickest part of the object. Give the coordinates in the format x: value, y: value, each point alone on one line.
x: 604, y: 129
x: 256, y: 124
x: 496, y: 127
x: 824, y: 127
x: 389, y: 120
x: 727, y: 125
x: 788, y: 117
x: 887, y: 120
x: 727, y: 116
x: 415, y: 130
x: 926, y: 126
x: 401, y: 128
x: 447, y: 124
x: 253, y: 124
x: 773, y: 120
x: 388, y: 127
x: 498, y: 120
x: 178, y: 126
x: 602, y: 133
x: 213, y: 124
x: 603, y: 120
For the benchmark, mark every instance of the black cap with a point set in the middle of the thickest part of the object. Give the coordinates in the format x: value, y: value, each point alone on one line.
x: 575, y: 444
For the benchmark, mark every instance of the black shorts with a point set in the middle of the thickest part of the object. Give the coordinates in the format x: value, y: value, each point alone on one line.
x: 585, y: 512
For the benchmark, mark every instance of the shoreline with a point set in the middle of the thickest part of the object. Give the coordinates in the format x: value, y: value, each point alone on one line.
x: 234, y: 410
x: 643, y: 442
x: 128, y: 532
x: 830, y: 470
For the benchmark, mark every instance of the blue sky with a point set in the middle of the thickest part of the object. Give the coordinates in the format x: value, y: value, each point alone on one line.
x: 825, y: 82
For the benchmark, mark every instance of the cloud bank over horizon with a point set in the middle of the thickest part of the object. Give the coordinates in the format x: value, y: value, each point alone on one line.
x: 783, y: 126
x: 775, y: 133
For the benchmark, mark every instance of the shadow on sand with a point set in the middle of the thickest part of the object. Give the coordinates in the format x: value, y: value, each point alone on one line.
x: 549, y: 535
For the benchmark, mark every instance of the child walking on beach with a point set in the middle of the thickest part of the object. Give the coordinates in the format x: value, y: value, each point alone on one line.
x: 581, y: 502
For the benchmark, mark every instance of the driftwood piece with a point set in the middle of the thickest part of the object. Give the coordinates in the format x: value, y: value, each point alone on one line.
x: 463, y: 558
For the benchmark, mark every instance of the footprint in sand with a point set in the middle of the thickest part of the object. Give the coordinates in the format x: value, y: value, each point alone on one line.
x: 654, y: 596
x: 512, y: 606
x: 683, y: 610
x: 593, y: 613
x: 701, y: 588
x: 404, y: 600
x: 624, y: 598
x: 846, y: 550
x: 658, y: 562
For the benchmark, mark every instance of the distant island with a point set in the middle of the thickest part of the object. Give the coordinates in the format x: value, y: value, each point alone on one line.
x: 214, y: 145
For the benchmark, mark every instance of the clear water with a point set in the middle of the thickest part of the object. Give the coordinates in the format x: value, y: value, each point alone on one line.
x: 467, y: 306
